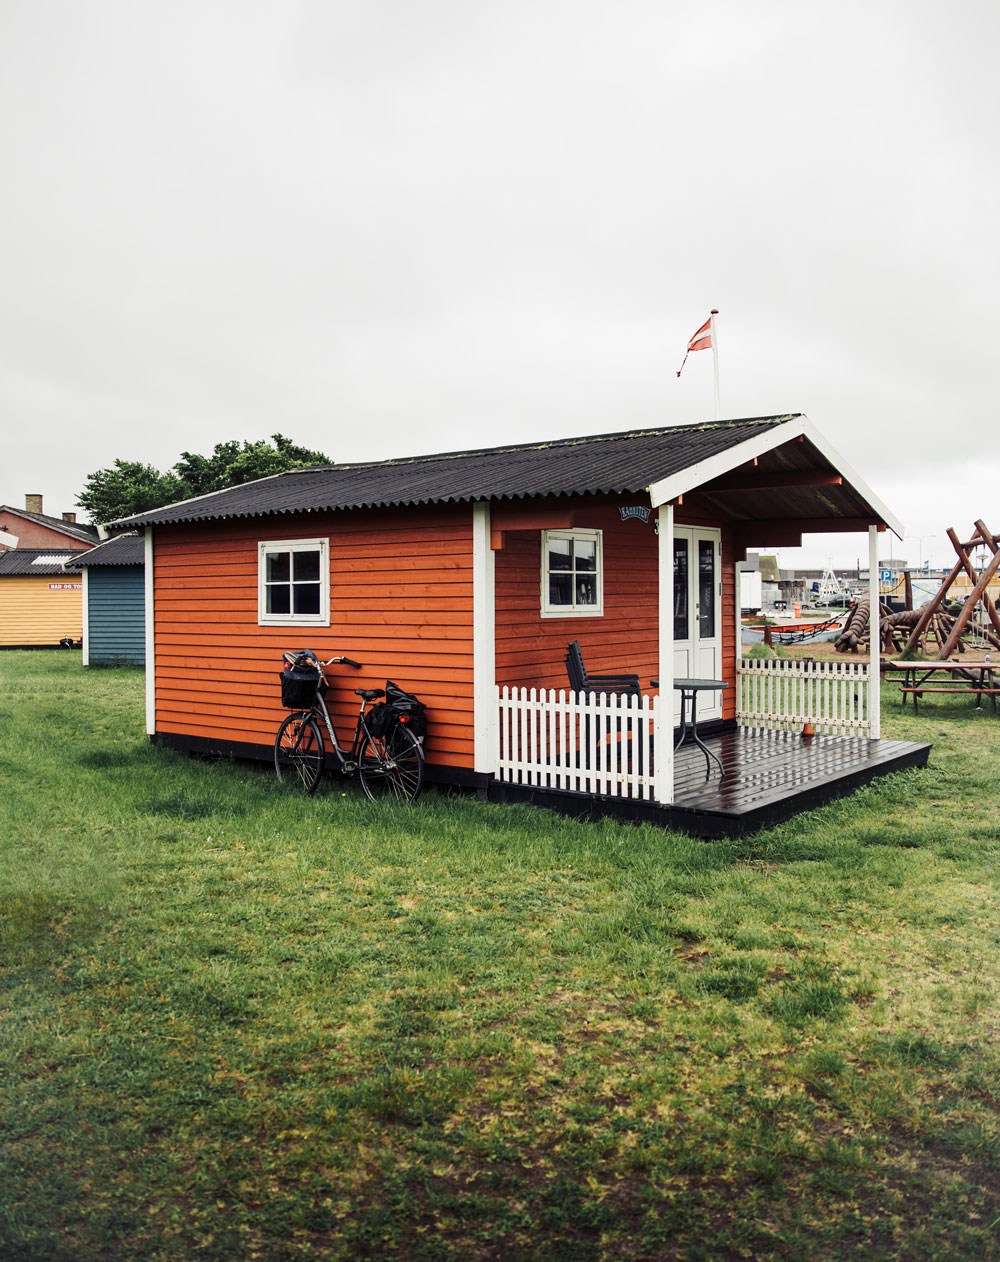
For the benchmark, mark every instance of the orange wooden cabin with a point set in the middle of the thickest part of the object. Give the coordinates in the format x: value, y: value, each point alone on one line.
x: 460, y: 574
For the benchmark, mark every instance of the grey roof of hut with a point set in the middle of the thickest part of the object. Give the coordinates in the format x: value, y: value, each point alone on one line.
x: 38, y: 561
x: 601, y: 464
x: 127, y: 549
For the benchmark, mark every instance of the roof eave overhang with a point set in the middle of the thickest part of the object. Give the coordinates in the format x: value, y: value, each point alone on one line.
x: 668, y: 489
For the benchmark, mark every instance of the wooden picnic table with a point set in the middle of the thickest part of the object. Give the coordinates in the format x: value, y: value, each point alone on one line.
x: 975, y: 679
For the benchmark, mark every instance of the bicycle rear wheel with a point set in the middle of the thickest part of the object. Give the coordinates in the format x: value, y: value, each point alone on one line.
x: 298, y: 751
x: 392, y: 767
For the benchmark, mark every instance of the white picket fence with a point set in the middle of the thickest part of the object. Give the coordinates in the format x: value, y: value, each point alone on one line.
x: 583, y: 743
x: 785, y: 693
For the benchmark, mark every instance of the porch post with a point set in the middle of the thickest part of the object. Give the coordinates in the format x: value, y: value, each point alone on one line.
x: 484, y: 669
x: 663, y: 759
x: 875, y: 639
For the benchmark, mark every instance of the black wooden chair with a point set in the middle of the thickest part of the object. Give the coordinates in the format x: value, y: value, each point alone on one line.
x: 618, y: 685
x: 581, y: 681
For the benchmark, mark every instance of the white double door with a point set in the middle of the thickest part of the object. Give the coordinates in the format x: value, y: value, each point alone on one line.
x: 697, y: 611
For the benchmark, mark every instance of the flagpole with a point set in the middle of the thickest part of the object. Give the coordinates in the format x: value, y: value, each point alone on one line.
x: 715, y: 360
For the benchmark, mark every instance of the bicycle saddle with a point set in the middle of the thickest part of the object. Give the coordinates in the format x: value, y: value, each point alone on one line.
x: 369, y: 694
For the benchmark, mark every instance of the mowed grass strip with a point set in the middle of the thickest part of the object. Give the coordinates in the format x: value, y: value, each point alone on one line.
x: 235, y: 1022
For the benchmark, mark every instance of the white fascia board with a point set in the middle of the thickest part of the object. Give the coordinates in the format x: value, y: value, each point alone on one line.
x: 668, y: 489
x: 848, y: 474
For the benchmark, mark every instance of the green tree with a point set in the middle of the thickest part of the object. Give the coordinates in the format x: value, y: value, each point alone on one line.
x: 234, y: 463
x: 129, y: 487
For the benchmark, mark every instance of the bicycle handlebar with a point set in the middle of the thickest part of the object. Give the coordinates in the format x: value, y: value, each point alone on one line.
x: 291, y: 657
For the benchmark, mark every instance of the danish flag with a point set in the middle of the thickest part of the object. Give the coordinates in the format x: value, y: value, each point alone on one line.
x: 700, y: 341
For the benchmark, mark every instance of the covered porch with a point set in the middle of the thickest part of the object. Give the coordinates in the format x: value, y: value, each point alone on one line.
x: 599, y: 754
x: 770, y: 775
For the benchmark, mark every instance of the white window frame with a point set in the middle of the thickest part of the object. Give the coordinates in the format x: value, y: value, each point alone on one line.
x: 321, y: 619
x: 549, y: 610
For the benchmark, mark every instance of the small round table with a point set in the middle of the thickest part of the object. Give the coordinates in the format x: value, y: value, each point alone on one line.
x: 689, y: 689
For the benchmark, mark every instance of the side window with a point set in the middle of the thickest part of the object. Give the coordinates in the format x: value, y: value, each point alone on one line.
x: 293, y: 583
x: 572, y: 574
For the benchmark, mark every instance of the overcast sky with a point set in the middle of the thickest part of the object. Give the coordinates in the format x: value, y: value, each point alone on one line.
x: 384, y: 228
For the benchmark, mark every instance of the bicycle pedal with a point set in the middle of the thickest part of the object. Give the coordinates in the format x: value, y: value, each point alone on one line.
x: 350, y: 767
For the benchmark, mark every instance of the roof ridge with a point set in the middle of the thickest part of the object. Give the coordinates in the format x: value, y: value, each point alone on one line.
x: 577, y: 440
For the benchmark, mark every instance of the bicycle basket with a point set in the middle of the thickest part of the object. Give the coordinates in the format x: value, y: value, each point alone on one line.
x: 299, y: 685
x: 407, y: 707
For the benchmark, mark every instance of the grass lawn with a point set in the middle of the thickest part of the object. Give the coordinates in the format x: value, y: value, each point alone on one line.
x: 237, y: 1023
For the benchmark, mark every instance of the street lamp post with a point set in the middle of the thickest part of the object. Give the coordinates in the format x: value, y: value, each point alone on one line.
x: 920, y: 544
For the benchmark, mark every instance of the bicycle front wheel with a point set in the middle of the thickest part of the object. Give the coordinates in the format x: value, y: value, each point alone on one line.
x: 392, y: 766
x: 298, y: 751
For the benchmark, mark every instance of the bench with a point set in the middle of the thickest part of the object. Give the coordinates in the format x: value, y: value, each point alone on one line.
x: 919, y: 689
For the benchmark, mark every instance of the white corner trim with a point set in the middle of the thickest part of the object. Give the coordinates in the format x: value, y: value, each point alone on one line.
x: 85, y: 632
x: 150, y: 638
x: 484, y: 669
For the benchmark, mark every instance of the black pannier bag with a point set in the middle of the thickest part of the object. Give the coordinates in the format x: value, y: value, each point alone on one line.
x: 299, y: 685
x: 379, y: 718
x: 405, y: 706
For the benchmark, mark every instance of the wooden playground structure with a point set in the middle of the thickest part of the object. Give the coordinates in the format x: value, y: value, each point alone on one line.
x: 930, y: 629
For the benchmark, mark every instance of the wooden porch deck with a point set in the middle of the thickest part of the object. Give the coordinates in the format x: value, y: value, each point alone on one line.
x: 770, y: 776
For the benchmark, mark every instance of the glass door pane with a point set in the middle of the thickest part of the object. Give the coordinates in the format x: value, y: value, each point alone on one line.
x: 706, y: 589
x: 682, y: 630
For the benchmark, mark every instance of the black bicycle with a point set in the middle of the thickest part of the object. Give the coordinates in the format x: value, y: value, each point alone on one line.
x: 385, y: 753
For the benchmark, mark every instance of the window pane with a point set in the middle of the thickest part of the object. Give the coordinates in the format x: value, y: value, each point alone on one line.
x: 278, y: 567
x: 586, y: 589
x: 306, y: 597
x: 560, y: 589
x: 706, y: 589
x: 278, y: 599
x: 586, y: 554
x: 306, y: 566
x: 681, y: 631
x: 560, y: 554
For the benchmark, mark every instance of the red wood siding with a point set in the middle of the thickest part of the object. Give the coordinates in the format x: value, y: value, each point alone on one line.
x: 400, y: 603
x: 531, y: 649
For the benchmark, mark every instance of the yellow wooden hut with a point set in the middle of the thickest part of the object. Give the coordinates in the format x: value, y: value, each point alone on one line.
x: 41, y: 598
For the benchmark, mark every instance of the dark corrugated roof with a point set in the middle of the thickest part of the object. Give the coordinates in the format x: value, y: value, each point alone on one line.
x: 122, y: 550
x: 26, y: 561
x: 590, y: 465
x: 75, y: 530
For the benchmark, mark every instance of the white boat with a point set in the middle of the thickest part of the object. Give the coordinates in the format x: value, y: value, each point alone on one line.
x: 833, y: 592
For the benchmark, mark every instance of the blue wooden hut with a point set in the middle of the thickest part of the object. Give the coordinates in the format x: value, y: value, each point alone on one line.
x: 114, y: 602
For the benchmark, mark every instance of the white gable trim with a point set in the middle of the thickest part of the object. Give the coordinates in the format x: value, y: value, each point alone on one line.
x: 668, y: 489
